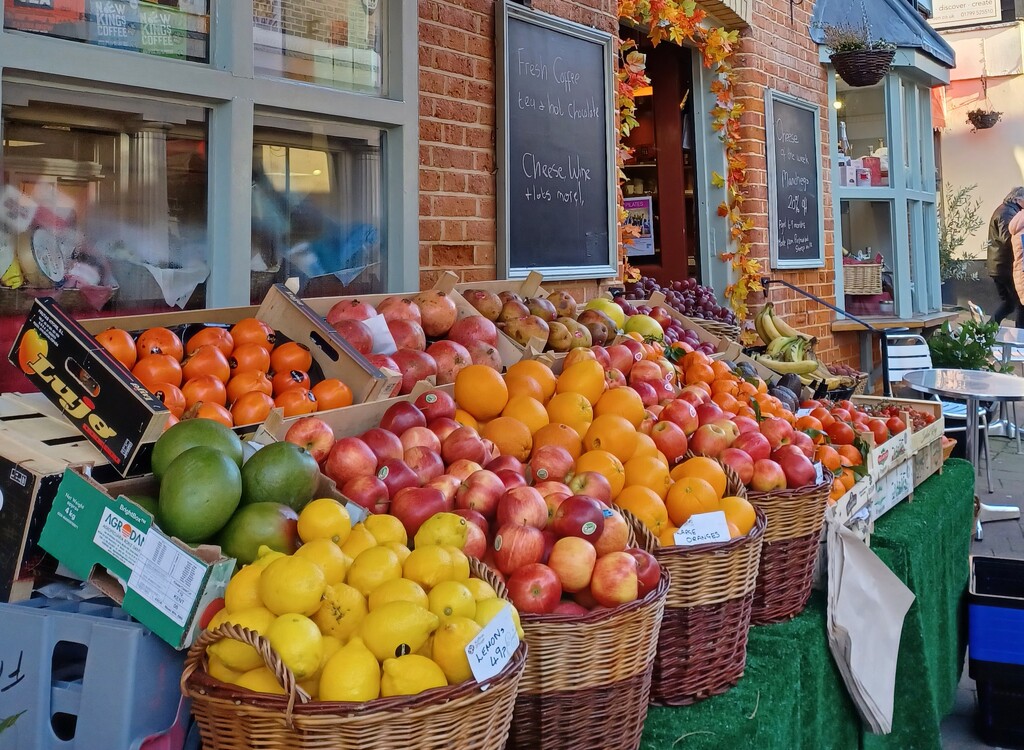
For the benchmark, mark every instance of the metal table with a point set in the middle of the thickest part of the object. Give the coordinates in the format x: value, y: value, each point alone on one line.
x: 972, y: 387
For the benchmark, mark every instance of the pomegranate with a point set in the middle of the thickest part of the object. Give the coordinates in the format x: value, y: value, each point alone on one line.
x: 380, y: 361
x: 437, y: 311
x: 483, y: 353
x: 350, y: 309
x: 398, y: 308
x: 407, y: 334
x: 414, y: 366
x: 450, y: 357
x: 356, y: 333
x: 472, y: 329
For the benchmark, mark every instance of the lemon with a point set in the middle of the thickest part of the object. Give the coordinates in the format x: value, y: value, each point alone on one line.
x: 428, y: 566
x: 241, y: 657
x: 488, y: 608
x: 324, y: 518
x: 398, y: 590
x: 352, y: 674
x: 260, y: 680
x: 460, y: 564
x: 312, y: 686
x: 445, y: 529
x: 292, y: 584
x: 331, y: 646
x: 360, y: 539
x: 396, y: 628
x: 242, y: 591
x: 218, y: 670
x: 298, y: 642
x: 449, y: 650
x: 399, y: 549
x: 480, y: 589
x: 427, y: 649
x: 341, y: 612
x: 373, y: 567
x: 451, y: 599
x: 265, y: 555
x: 328, y: 557
x: 386, y: 529
x: 409, y: 675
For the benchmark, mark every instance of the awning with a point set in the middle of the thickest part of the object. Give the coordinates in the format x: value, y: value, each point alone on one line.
x: 892, y: 20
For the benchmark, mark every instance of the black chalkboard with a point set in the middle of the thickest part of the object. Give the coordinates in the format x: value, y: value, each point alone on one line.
x: 794, y: 182
x: 556, y: 157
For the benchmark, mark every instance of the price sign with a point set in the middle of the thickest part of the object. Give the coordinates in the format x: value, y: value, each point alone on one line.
x: 703, y: 528
x: 493, y: 646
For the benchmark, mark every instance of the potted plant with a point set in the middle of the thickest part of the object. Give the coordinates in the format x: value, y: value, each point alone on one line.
x: 859, y: 60
x: 959, y: 220
x: 983, y: 119
x: 969, y: 347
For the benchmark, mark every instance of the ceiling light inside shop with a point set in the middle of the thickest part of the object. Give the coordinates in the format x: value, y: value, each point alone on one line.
x: 838, y: 104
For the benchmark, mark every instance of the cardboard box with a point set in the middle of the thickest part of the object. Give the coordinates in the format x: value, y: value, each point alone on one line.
x: 104, y: 538
x: 856, y: 498
x: 927, y: 461
x: 115, y: 411
x: 892, y: 488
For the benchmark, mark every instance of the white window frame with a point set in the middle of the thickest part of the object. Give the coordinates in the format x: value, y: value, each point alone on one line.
x: 231, y: 92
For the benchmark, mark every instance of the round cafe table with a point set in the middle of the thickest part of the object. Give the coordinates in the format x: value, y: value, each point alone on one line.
x: 972, y: 387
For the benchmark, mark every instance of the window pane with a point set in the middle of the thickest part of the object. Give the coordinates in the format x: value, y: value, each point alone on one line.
x: 866, y: 230
x: 861, y: 118
x: 316, y: 207
x: 113, y: 192
x: 339, y: 44
x: 168, y: 28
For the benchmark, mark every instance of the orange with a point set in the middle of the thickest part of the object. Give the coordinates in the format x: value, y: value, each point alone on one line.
x: 524, y: 385
x: 667, y: 538
x: 510, y: 436
x: 645, y: 504
x: 612, y: 433
x: 707, y: 469
x: 466, y: 419
x: 622, y: 401
x: 734, y: 530
x: 746, y: 389
x: 688, y: 497
x: 848, y: 478
x: 722, y: 372
x: 727, y: 401
x: 807, y: 422
x: 694, y: 357
x: 572, y: 409
x: 527, y: 410
x: 698, y: 373
x: 539, y: 371
x: 851, y: 453
x: 645, y: 446
x: 828, y: 456
x: 838, y: 489
x: 648, y: 471
x: 480, y: 391
x: 724, y: 386
x: 604, y: 463
x: 562, y: 435
x: 585, y: 378
x: 739, y: 511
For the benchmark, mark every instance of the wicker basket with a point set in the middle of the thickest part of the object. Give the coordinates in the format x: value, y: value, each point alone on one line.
x: 863, y: 67
x: 947, y: 450
x: 718, y: 328
x: 460, y: 716
x: 862, y: 278
x: 790, y: 549
x: 588, y: 679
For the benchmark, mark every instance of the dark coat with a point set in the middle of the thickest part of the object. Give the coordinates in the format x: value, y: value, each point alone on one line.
x: 1000, y: 253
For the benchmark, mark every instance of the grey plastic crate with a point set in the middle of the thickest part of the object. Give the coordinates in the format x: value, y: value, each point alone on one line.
x: 85, y: 675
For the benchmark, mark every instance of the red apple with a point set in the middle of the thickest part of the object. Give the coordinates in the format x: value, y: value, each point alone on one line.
x: 550, y: 462
x: 614, y: 378
x: 480, y: 492
x: 448, y: 485
x: 414, y: 505
x: 615, y: 580
x: 566, y: 607
x: 580, y: 516
x: 804, y: 442
x: 383, y: 443
x: 396, y: 475
x: 516, y: 545
x: 401, y: 416
x: 551, y: 487
x: 350, y: 457
x: 768, y: 476
x: 694, y: 394
x: 573, y: 561
x: 443, y: 427
x: 601, y: 355
x: 425, y: 463
x: 369, y: 492
x: 785, y: 450
x: 510, y: 478
x: 682, y: 413
x: 670, y: 439
x: 648, y: 571
x: 645, y: 371
x: 506, y: 462
x: 463, y: 468
x: 746, y: 424
x: 522, y: 505
x: 728, y: 427
x: 709, y: 440
x: 708, y: 412
x: 534, y: 589
x: 553, y: 501
x: 620, y: 358
x: 636, y: 349
x: 464, y: 443
x: 665, y: 391
x: 407, y: 334
x: 615, y: 535
x: 740, y: 462
x: 586, y: 599
x: 549, y: 544
x: 592, y: 484
x: 415, y: 365
x: 476, y: 542
x: 313, y: 434
x: 798, y: 469
x: 435, y: 404
x: 648, y: 395
x: 474, y: 518
x: 754, y: 444
x: 420, y: 436
x: 777, y: 430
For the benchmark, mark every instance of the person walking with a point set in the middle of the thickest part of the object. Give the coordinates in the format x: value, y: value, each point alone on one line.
x: 1016, y: 230
x: 1001, y: 257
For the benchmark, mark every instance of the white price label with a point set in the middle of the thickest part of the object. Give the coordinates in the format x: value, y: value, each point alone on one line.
x: 818, y: 476
x: 493, y: 646
x: 703, y: 528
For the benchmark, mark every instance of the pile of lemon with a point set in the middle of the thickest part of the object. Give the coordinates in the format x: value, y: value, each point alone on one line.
x: 354, y: 612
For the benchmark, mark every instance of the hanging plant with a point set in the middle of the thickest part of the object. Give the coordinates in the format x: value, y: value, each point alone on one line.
x: 857, y: 59
x: 983, y: 119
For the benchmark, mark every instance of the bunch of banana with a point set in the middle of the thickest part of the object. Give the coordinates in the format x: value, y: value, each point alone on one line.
x: 788, y: 350
x: 821, y: 374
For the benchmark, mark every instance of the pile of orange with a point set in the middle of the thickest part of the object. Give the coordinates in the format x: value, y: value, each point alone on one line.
x: 234, y: 376
x: 840, y: 460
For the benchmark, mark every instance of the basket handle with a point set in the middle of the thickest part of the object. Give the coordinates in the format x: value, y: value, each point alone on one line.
x: 285, y: 676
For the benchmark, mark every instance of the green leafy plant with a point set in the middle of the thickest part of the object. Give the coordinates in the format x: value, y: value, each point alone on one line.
x: 844, y: 37
x: 960, y: 219
x: 968, y: 347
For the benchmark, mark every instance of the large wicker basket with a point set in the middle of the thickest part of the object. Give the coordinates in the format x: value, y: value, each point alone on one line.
x: 588, y: 679
x: 862, y: 67
x: 468, y: 715
x: 790, y: 549
x: 862, y: 278
x: 718, y: 328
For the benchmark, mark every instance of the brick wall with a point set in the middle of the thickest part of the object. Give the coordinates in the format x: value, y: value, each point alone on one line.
x: 343, y: 22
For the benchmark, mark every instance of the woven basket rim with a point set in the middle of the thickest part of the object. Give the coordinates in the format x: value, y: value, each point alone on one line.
x: 871, y: 53
x: 597, y: 616
x: 758, y: 529
x: 787, y: 494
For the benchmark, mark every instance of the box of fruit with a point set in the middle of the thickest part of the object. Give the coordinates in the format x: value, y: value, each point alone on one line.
x: 926, y: 423
x: 856, y: 498
x: 927, y: 461
x: 891, y: 489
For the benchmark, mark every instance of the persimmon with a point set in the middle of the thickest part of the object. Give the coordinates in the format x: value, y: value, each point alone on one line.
x: 251, y: 408
x: 251, y: 380
x: 296, y: 401
x: 159, y: 341
x: 157, y: 368
x: 171, y: 396
x: 207, y: 360
x: 206, y: 389
x: 290, y: 356
x: 211, y: 335
x: 120, y: 344
x: 249, y: 358
x: 286, y: 379
x: 253, y: 331
x: 332, y: 393
x: 216, y: 412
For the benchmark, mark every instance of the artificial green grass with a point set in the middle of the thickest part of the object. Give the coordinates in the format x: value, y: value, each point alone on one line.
x: 792, y: 695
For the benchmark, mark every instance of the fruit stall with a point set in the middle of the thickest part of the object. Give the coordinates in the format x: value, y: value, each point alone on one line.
x: 476, y: 516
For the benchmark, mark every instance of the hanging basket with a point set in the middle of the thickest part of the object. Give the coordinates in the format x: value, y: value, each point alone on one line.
x: 982, y: 120
x: 863, y: 67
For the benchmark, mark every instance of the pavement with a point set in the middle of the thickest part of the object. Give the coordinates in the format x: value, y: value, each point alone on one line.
x: 1000, y: 539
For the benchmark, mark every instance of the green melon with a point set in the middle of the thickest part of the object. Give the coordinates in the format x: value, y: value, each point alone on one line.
x: 280, y: 473
x: 190, y: 433
x: 148, y: 502
x: 272, y: 524
x: 199, y: 492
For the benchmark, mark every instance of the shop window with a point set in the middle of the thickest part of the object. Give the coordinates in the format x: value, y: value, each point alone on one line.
x: 177, y: 29
x: 867, y: 241
x: 316, y: 208
x: 338, y: 43
x: 863, y: 135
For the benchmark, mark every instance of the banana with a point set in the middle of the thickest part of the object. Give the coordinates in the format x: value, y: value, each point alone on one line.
x: 795, y: 351
x: 784, y: 328
x: 759, y: 325
x: 804, y: 367
x: 779, y: 345
x: 768, y: 323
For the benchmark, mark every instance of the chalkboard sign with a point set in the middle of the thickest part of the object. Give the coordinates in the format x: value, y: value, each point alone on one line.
x: 556, y: 147
x: 796, y: 224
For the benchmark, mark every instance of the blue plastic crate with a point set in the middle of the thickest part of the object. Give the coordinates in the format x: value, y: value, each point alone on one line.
x: 85, y: 676
x: 996, y: 620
